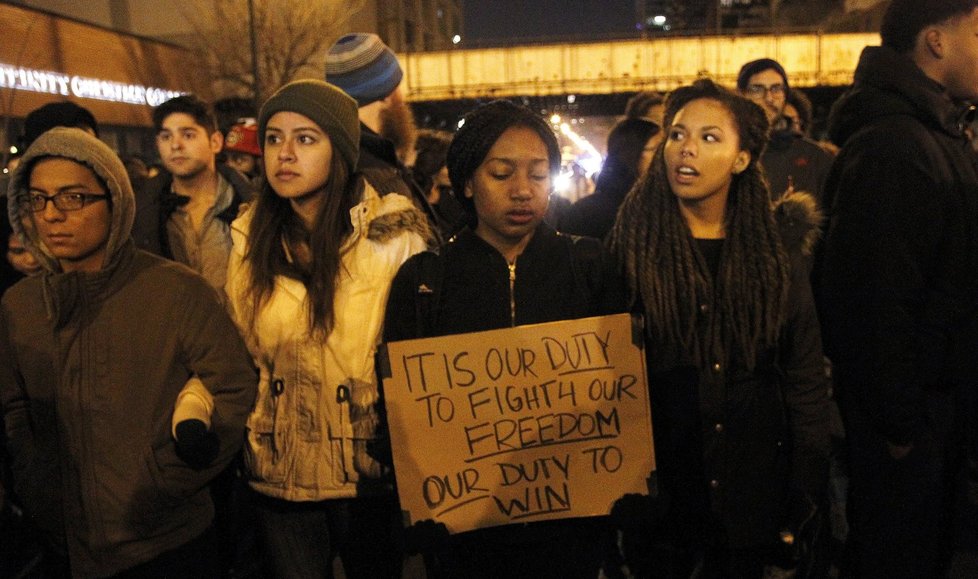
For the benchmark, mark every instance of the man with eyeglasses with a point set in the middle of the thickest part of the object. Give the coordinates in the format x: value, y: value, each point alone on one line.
x: 791, y: 161
x: 93, y: 355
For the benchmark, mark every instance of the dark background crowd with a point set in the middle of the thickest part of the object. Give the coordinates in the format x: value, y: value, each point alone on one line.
x: 188, y: 380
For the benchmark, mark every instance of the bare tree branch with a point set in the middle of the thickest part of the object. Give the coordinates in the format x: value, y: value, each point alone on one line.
x: 291, y: 36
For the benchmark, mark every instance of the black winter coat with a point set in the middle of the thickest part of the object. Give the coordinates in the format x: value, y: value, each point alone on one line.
x: 792, y: 158
x: 557, y: 277
x: 737, y: 448
x: 594, y: 215
x: 379, y: 165
x: 898, y: 278
x: 467, y: 288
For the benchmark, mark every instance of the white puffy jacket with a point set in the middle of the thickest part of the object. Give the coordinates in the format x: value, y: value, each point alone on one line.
x: 300, y: 438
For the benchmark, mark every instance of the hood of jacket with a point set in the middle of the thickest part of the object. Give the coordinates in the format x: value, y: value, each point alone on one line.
x: 888, y: 83
x: 800, y: 222
x: 76, y: 145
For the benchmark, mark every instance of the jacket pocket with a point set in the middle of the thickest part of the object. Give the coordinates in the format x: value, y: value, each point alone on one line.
x: 266, y: 446
x: 358, y: 402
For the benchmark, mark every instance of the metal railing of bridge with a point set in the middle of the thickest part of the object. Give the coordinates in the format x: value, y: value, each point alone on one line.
x: 811, y: 59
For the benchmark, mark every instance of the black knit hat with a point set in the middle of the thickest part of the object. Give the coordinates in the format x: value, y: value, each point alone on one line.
x: 760, y: 65
x: 480, y: 130
x: 326, y: 105
x: 60, y: 114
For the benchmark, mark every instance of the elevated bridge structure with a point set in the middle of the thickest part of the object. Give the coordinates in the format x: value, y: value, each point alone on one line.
x: 554, y: 71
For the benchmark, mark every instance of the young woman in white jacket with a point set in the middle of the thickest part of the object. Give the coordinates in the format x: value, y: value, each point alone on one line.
x: 308, y: 278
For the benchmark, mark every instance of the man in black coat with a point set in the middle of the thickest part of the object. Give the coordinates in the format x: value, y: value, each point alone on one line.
x: 898, y: 290
x: 791, y: 160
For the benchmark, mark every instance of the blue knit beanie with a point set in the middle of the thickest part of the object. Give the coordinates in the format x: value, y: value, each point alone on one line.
x: 364, y: 67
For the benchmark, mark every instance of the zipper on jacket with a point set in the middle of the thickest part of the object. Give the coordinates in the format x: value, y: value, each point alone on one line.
x: 278, y: 388
x: 512, y: 293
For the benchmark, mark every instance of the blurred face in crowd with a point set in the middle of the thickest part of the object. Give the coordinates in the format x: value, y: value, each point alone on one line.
x: 794, y: 119
x: 960, y: 52
x: 397, y: 123
x: 242, y: 162
x: 657, y: 113
x: 77, y: 238
x: 185, y: 147
x: 20, y: 258
x: 767, y: 89
x: 702, y: 153
x: 440, y: 187
x: 298, y: 155
x: 511, y: 190
x: 648, y: 151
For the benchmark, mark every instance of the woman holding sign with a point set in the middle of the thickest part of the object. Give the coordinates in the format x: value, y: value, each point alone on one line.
x: 308, y: 278
x: 507, y: 268
x: 738, y: 392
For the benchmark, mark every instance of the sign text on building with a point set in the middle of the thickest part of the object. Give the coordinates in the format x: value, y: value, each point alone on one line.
x: 43, y: 81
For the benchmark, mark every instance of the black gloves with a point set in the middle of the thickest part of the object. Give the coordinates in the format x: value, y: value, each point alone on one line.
x: 196, y: 446
x: 425, y: 536
x: 798, y: 530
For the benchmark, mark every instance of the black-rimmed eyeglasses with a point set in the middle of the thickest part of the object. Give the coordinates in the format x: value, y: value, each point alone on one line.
x: 62, y: 201
x: 759, y: 90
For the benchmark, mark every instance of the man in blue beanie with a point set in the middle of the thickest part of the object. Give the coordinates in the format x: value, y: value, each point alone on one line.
x: 791, y: 161
x: 367, y: 70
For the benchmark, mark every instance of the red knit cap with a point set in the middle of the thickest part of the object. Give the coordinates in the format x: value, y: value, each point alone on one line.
x: 243, y: 138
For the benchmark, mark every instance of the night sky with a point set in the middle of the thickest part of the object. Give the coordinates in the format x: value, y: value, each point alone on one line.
x: 495, y: 21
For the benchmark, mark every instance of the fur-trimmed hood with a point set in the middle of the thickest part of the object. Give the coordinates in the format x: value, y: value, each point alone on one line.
x: 800, y: 221
x: 389, y: 215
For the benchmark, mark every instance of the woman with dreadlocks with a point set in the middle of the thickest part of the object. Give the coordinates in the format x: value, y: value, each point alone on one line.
x: 734, y: 353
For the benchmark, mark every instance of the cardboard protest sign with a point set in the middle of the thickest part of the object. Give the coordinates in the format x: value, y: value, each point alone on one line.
x: 520, y: 424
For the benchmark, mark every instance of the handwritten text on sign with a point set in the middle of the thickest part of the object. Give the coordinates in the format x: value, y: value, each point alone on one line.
x: 520, y: 424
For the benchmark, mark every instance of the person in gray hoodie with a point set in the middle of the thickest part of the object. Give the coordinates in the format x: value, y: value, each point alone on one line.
x: 93, y: 354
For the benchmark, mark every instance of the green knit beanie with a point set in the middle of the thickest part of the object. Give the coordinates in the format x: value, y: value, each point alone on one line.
x: 326, y: 105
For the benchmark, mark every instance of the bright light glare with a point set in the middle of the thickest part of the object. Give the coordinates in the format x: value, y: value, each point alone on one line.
x: 456, y: 39
x: 13, y: 149
x: 571, y: 98
x: 555, y: 119
x: 591, y: 164
x: 659, y: 20
x: 460, y: 123
x: 578, y: 140
x: 562, y: 182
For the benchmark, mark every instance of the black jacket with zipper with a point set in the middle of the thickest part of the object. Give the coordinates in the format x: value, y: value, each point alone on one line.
x: 557, y: 277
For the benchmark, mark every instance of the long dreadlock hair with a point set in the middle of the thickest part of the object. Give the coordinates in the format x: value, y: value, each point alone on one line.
x: 664, y: 267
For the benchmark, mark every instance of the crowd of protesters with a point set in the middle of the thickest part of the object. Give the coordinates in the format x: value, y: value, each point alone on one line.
x: 188, y: 375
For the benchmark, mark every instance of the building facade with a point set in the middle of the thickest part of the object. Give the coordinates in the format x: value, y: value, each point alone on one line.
x: 412, y: 25
x: 118, y: 77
